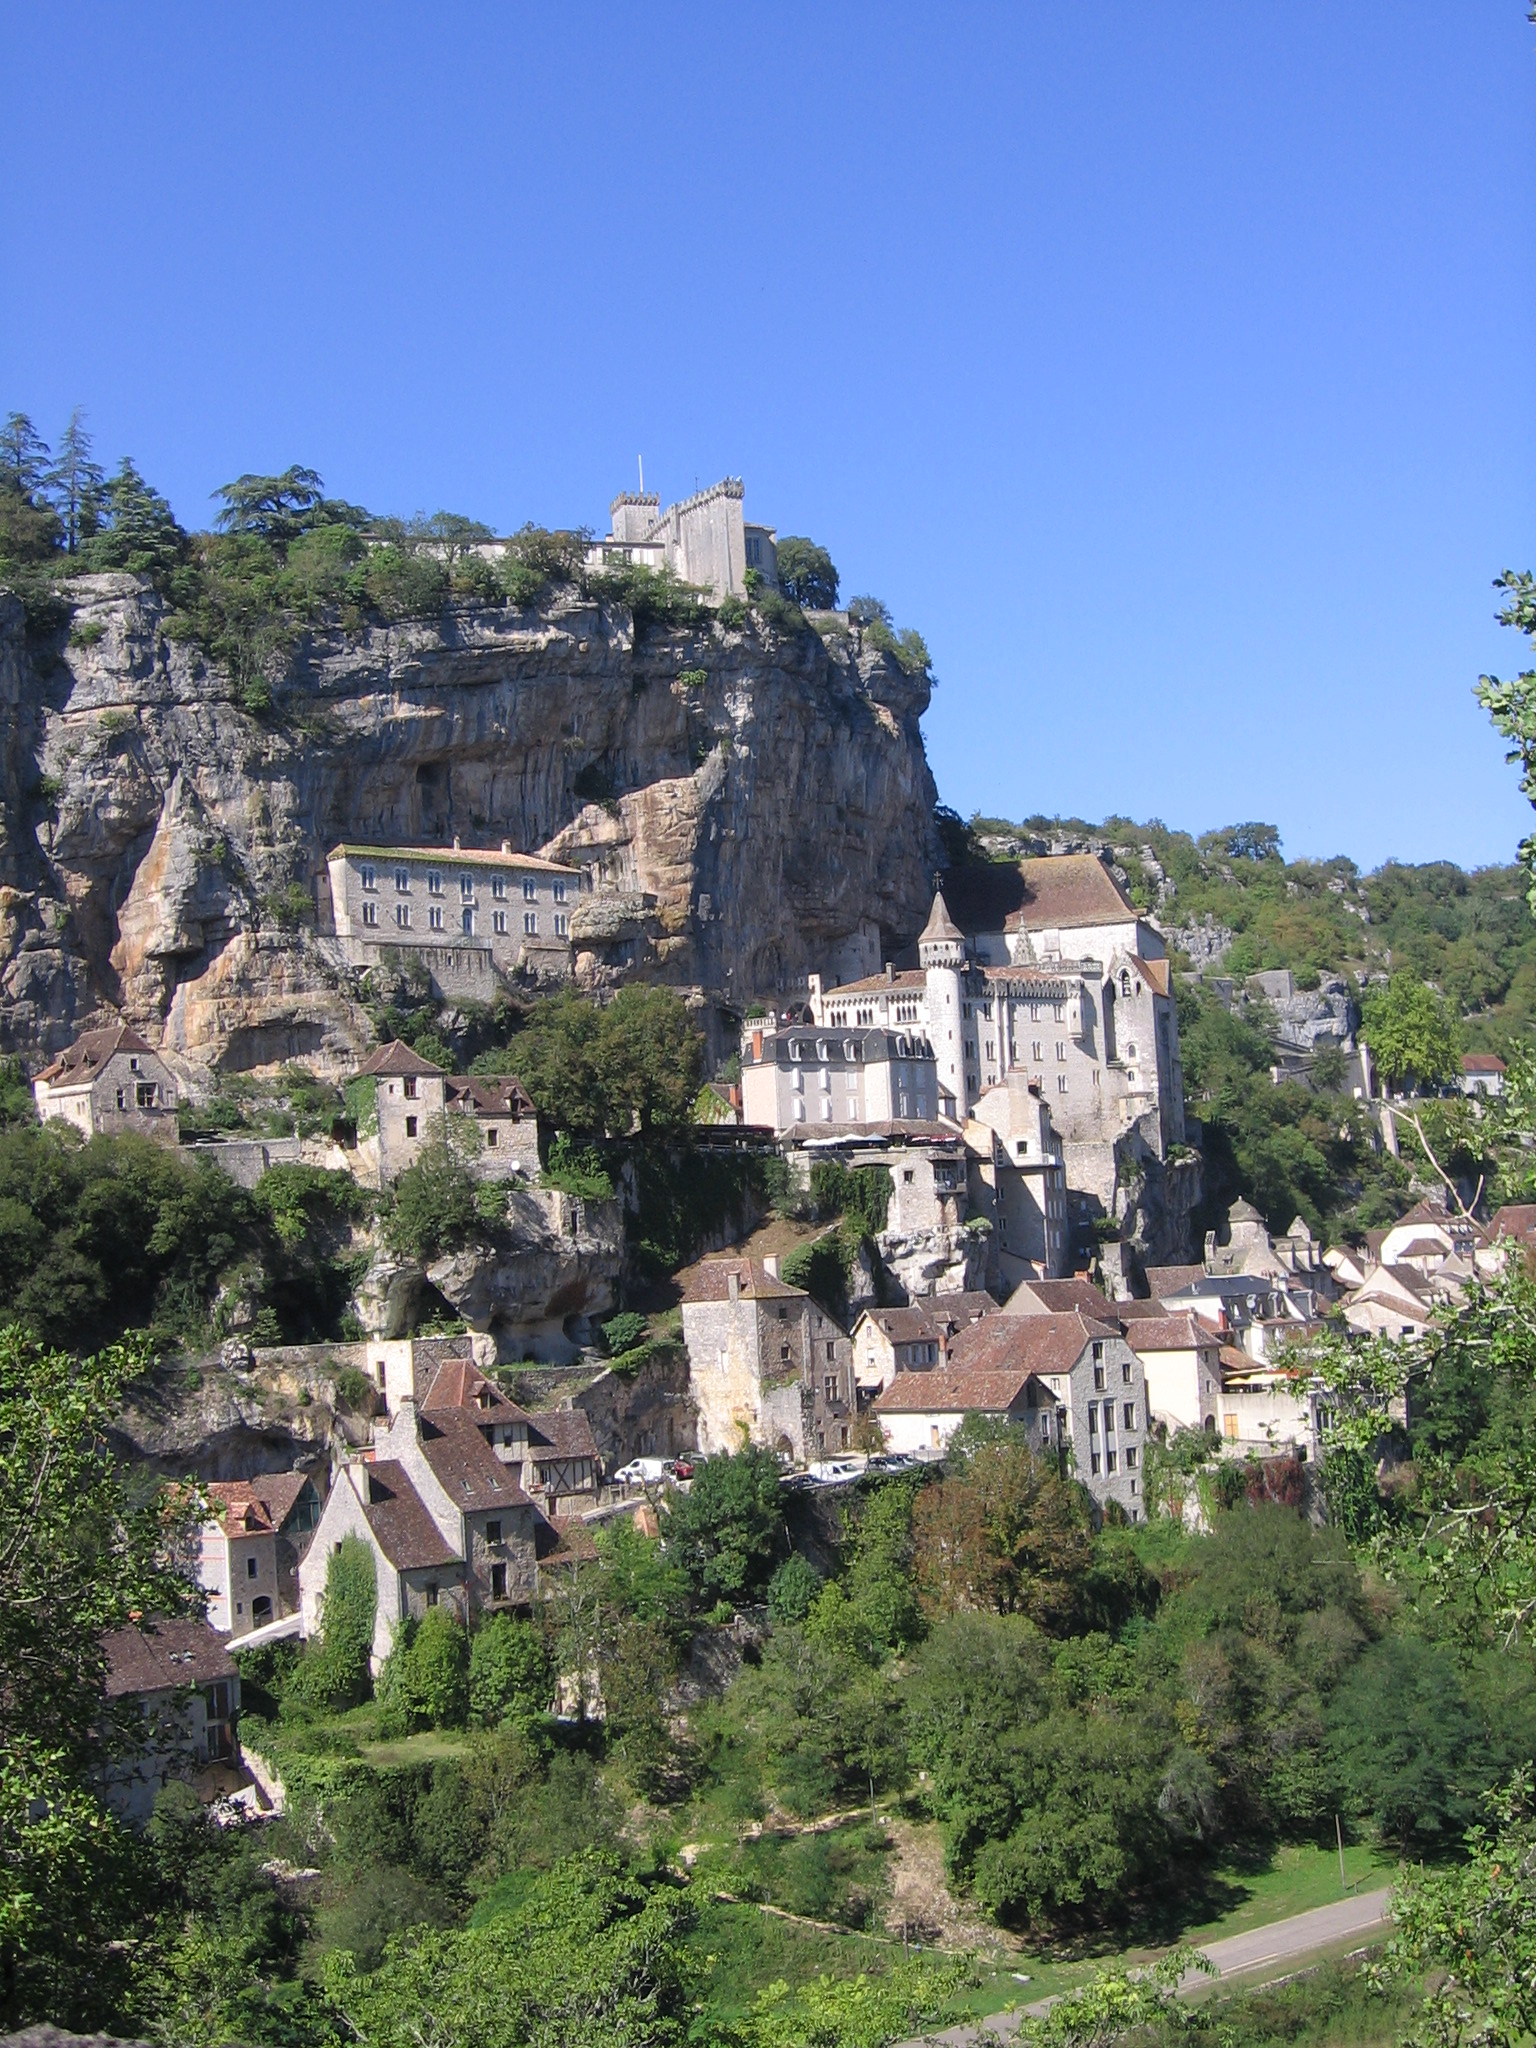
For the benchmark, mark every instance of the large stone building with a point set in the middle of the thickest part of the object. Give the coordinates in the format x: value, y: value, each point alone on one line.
x: 798, y: 1074
x: 468, y: 914
x: 250, y: 1548
x: 1050, y: 973
x: 1006, y: 1366
x: 488, y: 1120
x: 765, y: 1364
x: 703, y: 539
x: 175, y: 1691
x: 110, y: 1081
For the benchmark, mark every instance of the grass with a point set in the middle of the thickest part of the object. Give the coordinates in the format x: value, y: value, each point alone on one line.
x: 741, y: 1951
x: 429, y: 1747
x: 1246, y: 1892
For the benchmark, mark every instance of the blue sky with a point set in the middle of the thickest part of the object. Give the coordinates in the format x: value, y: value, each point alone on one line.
x: 1169, y: 367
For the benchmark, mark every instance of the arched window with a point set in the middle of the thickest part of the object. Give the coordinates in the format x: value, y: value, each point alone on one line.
x: 1125, y: 983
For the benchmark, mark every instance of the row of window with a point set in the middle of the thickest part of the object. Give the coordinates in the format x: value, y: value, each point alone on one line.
x: 467, y: 920
x: 1128, y: 1417
x: 370, y: 882
x: 1110, y: 1460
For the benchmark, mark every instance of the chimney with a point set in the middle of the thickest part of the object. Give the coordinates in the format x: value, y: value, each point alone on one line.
x: 733, y: 1285
x: 506, y: 846
x: 455, y: 842
x: 771, y: 1265
x: 890, y: 970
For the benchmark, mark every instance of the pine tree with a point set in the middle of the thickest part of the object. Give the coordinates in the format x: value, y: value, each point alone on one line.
x: 75, y: 484
x: 24, y: 455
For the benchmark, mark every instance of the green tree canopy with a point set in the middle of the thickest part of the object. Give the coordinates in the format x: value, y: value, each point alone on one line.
x: 806, y: 574
x: 136, y: 528
x: 632, y: 1064
x: 1411, y: 1031
x: 726, y: 1532
x: 1512, y: 704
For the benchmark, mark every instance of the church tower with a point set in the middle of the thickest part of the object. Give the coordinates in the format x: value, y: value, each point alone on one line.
x: 941, y: 954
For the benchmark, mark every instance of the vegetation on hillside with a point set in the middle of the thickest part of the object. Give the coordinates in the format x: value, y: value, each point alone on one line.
x: 1097, y: 1721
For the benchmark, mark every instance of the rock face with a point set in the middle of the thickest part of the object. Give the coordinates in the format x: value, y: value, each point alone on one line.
x: 274, y: 1412
x: 162, y: 852
x: 555, y: 1262
x: 932, y: 1262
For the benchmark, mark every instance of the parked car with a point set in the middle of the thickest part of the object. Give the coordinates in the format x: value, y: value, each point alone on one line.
x: 641, y: 1472
x: 893, y: 1461
x: 681, y: 1468
x: 834, y: 1471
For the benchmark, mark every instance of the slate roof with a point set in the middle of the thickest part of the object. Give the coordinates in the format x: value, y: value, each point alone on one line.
x: 465, y: 1466
x: 710, y: 1281
x: 1021, y: 1345
x: 163, y: 1655
x: 394, y: 1057
x: 941, y: 925
x: 84, y: 1060
x: 450, y: 856
x: 401, y: 1526
x: 560, y: 1433
x: 490, y: 1095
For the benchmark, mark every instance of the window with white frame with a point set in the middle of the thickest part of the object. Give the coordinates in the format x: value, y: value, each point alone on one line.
x: 434, y: 882
x: 531, y: 923
x: 370, y: 913
x: 499, y: 922
x: 559, y: 889
x: 402, y: 881
x: 435, y: 917
x: 562, y: 925
x: 370, y: 879
x: 403, y: 916
x: 499, y: 887
x: 530, y: 888
x: 466, y: 888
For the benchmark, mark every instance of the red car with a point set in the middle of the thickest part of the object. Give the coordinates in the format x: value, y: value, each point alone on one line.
x: 680, y: 1469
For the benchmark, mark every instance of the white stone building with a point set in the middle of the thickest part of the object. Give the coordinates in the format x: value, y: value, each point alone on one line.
x: 250, y: 1547
x: 1018, y: 1179
x: 1053, y: 974
x: 468, y: 914
x: 110, y: 1081
x: 800, y: 1075
x: 1090, y: 1372
x: 704, y: 539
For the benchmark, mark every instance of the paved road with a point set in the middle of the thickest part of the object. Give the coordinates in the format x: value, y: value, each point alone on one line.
x: 1278, y: 1942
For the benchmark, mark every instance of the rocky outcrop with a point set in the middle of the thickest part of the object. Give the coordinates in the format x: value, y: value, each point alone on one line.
x: 1155, y: 1202
x: 533, y: 1284
x: 162, y: 851
x: 926, y: 1262
x: 237, y: 1417
x: 645, y: 1414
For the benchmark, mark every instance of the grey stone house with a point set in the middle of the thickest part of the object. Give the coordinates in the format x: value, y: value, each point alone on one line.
x: 110, y: 1081
x: 766, y: 1365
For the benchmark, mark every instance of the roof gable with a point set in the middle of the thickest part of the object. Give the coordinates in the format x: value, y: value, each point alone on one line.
x: 84, y: 1060
x: 398, y: 1519
x: 395, y: 1057
x: 710, y: 1280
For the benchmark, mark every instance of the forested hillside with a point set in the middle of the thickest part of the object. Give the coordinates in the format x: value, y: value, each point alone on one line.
x: 1469, y: 934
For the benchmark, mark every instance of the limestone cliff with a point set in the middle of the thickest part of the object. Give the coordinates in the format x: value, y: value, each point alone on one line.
x: 757, y: 804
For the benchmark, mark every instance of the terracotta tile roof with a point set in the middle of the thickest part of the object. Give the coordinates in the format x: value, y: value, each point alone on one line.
x: 401, y: 1526
x: 1165, y: 1280
x: 563, y: 1540
x: 454, y: 856
x: 951, y: 1390
x: 904, y: 1325
x: 162, y: 1655
x: 1060, y: 1297
x: 490, y: 1095
x: 710, y: 1281
x: 1139, y: 1311
x: 84, y: 1060
x: 459, y: 1383
x: 1021, y: 1345
x: 395, y: 1057
x: 1067, y: 889
x: 983, y: 897
x: 1168, y: 1333
x: 879, y: 984
x: 265, y: 1502
x: 465, y: 1466
x: 1155, y: 974
x: 1481, y: 1063
x: 1515, y: 1219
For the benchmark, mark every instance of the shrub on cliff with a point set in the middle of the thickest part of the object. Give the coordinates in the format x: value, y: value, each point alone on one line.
x: 806, y: 574
x: 434, y: 1207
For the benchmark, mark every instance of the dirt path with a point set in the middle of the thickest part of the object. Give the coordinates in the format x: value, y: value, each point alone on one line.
x: 922, y: 1905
